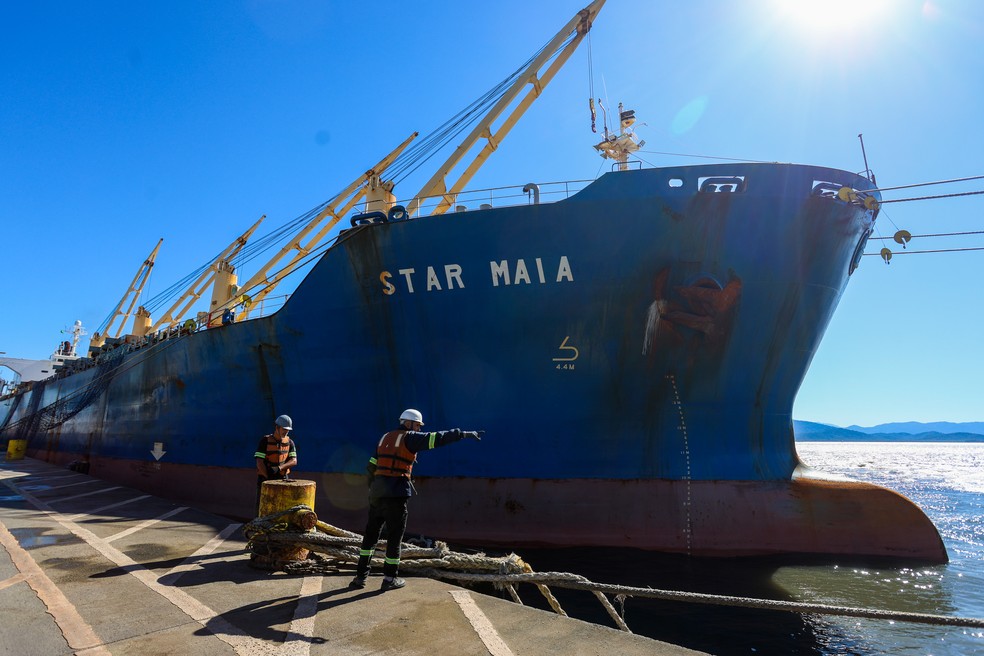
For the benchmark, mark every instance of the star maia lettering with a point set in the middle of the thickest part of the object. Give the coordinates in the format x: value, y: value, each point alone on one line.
x: 450, y: 276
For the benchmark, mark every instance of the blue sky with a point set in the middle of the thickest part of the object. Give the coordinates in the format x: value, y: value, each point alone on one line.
x: 124, y: 122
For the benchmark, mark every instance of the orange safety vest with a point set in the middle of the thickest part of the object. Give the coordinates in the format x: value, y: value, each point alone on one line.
x: 277, y: 452
x: 393, y: 458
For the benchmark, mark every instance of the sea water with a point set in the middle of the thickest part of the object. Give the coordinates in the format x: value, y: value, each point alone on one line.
x: 945, y: 479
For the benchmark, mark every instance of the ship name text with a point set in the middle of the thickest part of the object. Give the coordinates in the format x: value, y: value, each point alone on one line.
x: 501, y: 273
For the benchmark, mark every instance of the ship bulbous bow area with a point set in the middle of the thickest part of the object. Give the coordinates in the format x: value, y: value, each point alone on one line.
x: 802, y: 517
x: 853, y: 517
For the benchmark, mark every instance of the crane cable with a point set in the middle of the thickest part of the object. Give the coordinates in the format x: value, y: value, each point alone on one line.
x: 403, y: 166
x: 940, y: 250
x: 927, y: 184
x: 939, y: 234
x: 964, y: 193
x: 591, y: 92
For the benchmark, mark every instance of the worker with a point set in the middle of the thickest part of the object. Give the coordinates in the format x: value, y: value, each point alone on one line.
x: 275, y: 455
x: 390, y: 488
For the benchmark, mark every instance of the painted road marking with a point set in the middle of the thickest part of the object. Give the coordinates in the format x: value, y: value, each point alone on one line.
x: 298, y: 640
x: 483, y: 627
x: 45, y: 479
x: 77, y: 633
x: 240, y: 641
x: 75, y: 518
x: 59, y: 487
x: 191, y: 562
x: 85, y: 494
x: 142, y: 525
x: 13, y: 580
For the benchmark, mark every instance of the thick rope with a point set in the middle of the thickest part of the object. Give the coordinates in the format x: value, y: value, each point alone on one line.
x: 575, y: 582
x: 904, y: 200
x: 927, y: 184
x: 503, y: 572
x: 612, y: 612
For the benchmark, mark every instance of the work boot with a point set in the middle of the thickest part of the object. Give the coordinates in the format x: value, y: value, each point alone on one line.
x: 392, y: 583
x: 359, y: 581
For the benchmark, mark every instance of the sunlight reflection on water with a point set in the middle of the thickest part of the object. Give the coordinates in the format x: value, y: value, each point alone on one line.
x: 945, y: 480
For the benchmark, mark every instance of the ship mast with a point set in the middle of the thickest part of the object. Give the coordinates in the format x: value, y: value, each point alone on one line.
x: 437, y: 185
x: 76, y: 332
x: 619, y: 147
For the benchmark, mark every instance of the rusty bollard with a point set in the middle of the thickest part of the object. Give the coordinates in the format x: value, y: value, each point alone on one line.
x: 277, y: 496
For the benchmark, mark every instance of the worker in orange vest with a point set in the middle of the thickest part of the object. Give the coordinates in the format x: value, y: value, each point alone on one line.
x: 275, y: 455
x: 390, y: 488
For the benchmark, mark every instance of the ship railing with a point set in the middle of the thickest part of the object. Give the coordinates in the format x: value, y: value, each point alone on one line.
x: 265, y: 306
x: 483, y: 199
x: 269, y: 305
x: 121, y: 346
x: 630, y: 165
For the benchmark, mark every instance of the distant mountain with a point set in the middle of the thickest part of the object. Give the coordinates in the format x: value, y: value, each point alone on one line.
x: 914, y: 427
x: 808, y: 431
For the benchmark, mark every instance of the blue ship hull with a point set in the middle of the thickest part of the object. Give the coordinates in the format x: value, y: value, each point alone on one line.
x: 633, y: 353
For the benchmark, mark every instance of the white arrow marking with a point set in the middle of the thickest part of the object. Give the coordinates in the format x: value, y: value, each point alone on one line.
x: 158, y: 451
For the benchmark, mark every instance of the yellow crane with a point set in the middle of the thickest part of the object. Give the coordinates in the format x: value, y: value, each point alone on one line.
x: 437, y: 185
x: 259, y: 285
x: 378, y: 192
x: 136, y: 286
x: 220, y: 274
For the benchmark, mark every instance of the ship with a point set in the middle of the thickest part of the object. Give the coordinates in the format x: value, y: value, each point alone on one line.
x: 632, y: 350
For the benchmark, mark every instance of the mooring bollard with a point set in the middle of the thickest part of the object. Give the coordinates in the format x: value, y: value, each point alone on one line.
x: 16, y: 449
x: 278, y: 496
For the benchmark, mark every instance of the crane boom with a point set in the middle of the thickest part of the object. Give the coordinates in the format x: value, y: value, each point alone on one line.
x: 175, y: 313
x: 377, y: 193
x: 136, y: 286
x: 260, y: 285
x: 437, y: 185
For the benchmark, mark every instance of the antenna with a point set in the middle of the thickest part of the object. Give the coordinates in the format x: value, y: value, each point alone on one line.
x: 604, y: 118
x: 867, y: 171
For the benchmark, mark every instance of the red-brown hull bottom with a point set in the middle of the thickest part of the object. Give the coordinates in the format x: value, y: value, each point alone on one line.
x: 806, y: 516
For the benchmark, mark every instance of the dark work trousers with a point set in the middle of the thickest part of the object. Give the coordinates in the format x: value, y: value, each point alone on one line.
x: 391, y: 511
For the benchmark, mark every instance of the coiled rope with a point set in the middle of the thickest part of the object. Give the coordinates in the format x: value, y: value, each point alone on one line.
x: 505, y: 572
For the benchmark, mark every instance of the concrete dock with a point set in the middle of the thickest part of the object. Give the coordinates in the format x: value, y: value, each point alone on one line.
x: 89, y: 567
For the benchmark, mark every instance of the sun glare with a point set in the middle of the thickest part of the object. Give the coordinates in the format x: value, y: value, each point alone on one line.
x: 824, y: 18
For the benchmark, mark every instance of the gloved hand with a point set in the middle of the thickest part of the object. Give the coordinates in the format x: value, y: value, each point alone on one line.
x: 274, y: 469
x: 475, y: 435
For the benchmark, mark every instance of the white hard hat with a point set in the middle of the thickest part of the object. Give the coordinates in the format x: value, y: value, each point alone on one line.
x: 412, y: 415
x: 284, y: 422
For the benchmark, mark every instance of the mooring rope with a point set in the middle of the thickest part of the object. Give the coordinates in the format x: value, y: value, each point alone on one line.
x: 576, y: 582
x: 440, y: 562
x: 956, y: 195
